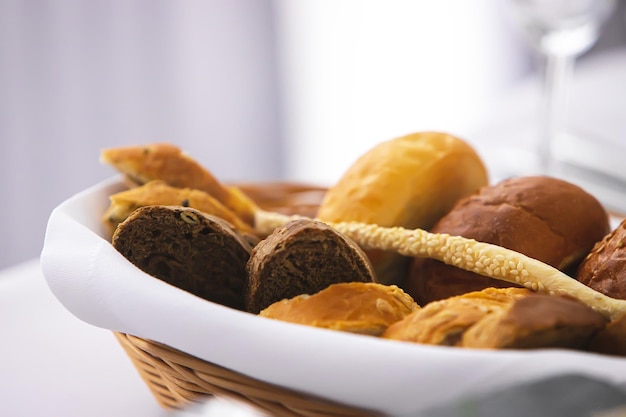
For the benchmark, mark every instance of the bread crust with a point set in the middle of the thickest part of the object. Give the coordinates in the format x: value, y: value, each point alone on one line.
x: 545, y: 218
x: 410, y: 181
x: 503, y: 318
x: 302, y: 257
x: 160, y: 193
x: 167, y: 162
x: 355, y: 307
x: 444, y: 322
x: 604, y: 269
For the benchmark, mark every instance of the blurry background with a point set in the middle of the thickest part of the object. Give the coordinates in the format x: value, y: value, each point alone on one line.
x: 253, y: 89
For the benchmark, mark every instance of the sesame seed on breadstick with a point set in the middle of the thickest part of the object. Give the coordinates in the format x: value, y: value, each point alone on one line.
x: 482, y: 258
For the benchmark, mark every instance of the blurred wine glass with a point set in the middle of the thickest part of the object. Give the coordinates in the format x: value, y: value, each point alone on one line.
x: 560, y: 30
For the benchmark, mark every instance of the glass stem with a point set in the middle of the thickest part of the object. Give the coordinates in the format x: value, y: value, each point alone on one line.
x: 555, y: 97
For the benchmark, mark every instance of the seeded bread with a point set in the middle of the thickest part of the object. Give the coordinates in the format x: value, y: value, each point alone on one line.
x: 199, y: 253
x: 604, y: 269
x: 482, y: 258
x: 302, y: 257
x: 158, y: 192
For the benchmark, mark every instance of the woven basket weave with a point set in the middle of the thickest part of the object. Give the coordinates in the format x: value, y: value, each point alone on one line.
x: 177, y: 379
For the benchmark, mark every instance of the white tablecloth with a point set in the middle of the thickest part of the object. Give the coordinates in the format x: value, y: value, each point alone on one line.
x: 52, y: 364
x: 55, y: 365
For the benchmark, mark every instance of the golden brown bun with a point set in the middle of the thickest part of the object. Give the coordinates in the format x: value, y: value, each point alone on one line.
x: 611, y: 340
x: 604, y: 269
x: 541, y: 217
x: 443, y: 322
x: 536, y: 321
x: 410, y: 181
x: 160, y: 193
x: 167, y: 162
x: 503, y: 318
x: 357, y: 307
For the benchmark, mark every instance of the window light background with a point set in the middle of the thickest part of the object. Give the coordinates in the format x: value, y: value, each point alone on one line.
x: 253, y: 89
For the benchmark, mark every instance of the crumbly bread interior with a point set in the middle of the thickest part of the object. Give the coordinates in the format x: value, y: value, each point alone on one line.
x: 191, y: 250
x: 303, y: 257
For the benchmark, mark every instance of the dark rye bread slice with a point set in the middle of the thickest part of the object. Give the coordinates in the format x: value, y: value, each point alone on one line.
x: 303, y: 257
x: 194, y: 251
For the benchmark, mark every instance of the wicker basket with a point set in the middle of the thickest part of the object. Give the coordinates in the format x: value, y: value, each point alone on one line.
x: 177, y: 379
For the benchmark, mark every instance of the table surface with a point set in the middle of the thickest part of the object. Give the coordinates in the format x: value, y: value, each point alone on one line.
x: 53, y: 364
x: 56, y: 365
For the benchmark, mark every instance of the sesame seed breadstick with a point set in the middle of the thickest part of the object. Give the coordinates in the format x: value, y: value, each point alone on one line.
x: 482, y: 258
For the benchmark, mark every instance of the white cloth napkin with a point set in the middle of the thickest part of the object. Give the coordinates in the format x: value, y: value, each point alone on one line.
x: 96, y: 284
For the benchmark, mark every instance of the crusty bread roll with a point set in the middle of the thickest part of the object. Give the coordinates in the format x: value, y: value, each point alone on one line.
x: 536, y: 321
x: 444, y: 322
x: 302, y: 257
x: 502, y: 318
x: 167, y: 162
x: 158, y: 192
x: 356, y: 307
x: 604, y: 268
x: 611, y: 340
x: 541, y: 217
x: 410, y: 181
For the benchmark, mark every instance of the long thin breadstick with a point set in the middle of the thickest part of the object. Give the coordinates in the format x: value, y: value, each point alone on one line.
x: 482, y: 258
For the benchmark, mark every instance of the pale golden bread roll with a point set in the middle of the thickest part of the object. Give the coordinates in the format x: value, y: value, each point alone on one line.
x: 357, y: 307
x: 545, y: 218
x: 411, y: 182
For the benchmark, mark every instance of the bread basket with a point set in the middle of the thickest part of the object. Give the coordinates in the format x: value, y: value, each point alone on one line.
x: 177, y: 379
x: 186, y: 348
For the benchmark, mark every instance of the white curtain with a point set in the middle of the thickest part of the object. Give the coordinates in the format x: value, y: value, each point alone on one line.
x: 255, y: 89
x: 80, y: 75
